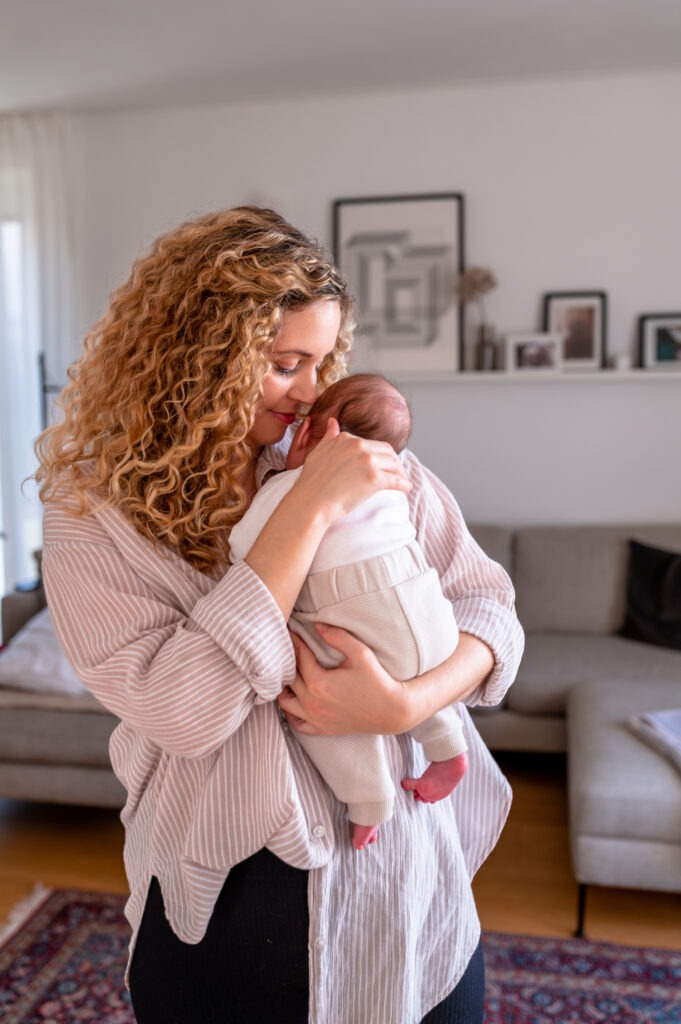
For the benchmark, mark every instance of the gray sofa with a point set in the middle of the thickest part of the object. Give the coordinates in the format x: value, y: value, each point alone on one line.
x: 570, y: 586
x: 53, y: 747
x: 577, y: 685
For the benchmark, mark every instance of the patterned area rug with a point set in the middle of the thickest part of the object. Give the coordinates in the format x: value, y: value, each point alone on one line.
x: 574, y: 981
x: 65, y: 963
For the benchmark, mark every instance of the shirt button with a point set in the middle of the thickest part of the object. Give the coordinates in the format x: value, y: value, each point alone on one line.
x: 319, y: 942
x: 319, y: 831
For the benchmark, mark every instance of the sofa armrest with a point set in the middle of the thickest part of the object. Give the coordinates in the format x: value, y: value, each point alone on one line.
x: 18, y: 608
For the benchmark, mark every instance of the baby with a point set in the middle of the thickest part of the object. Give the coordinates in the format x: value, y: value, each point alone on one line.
x: 369, y: 576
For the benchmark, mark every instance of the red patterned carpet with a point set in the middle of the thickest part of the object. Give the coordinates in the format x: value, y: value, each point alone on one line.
x: 574, y: 981
x: 65, y: 965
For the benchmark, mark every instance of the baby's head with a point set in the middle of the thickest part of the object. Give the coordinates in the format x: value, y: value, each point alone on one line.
x: 364, y: 404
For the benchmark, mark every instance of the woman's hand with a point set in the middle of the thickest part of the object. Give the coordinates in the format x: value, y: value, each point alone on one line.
x: 339, y: 474
x: 343, y: 470
x: 358, y: 696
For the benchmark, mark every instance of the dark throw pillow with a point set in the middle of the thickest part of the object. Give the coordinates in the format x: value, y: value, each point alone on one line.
x: 653, y: 596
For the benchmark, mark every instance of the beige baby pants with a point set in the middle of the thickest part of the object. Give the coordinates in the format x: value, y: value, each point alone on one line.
x: 394, y: 604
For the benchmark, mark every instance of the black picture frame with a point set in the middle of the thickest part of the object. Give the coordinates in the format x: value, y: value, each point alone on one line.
x: 659, y: 341
x: 581, y: 317
x: 402, y: 256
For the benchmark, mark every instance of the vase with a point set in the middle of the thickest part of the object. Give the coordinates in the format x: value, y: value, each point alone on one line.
x: 486, y: 348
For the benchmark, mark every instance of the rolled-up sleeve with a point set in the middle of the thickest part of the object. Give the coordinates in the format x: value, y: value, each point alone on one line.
x: 261, y: 651
x: 182, y: 667
x: 480, y: 589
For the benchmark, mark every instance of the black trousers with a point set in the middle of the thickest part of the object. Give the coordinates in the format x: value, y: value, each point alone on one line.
x: 251, y: 967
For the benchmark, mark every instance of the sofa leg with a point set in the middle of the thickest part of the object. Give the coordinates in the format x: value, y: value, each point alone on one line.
x: 581, y: 909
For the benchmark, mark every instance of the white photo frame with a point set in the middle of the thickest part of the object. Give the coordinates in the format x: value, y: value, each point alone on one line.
x: 534, y: 353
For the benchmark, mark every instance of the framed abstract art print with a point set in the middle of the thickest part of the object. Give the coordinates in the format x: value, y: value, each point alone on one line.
x: 402, y: 256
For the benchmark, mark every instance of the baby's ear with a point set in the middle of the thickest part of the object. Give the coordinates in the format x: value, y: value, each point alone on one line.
x: 302, y: 434
x: 298, y: 449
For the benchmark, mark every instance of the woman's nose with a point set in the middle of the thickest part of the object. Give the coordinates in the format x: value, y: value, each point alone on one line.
x: 305, y: 388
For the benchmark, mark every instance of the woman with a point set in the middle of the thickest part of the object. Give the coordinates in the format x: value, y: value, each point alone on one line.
x: 247, y: 902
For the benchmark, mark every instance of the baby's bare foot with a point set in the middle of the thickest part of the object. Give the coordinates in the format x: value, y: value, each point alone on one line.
x: 364, y: 835
x: 439, y: 779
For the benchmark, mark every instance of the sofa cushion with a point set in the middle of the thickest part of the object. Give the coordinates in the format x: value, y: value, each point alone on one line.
x: 34, y: 660
x: 653, y: 612
x: 45, y: 736
x: 619, y: 787
x: 572, y: 579
x: 554, y: 662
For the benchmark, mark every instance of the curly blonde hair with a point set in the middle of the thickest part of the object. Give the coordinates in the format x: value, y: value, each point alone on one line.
x: 157, y: 411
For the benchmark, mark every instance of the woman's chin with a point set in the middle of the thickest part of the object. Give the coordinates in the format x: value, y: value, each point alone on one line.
x: 262, y: 436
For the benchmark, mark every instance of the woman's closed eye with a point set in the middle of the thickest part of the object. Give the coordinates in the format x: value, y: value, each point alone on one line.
x: 290, y: 371
x: 285, y: 371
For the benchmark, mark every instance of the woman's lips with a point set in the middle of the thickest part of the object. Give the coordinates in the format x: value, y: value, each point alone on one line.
x: 284, y: 417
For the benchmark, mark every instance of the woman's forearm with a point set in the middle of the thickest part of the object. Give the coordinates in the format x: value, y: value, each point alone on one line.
x: 360, y: 696
x: 455, y: 679
x: 284, y: 549
x: 340, y: 473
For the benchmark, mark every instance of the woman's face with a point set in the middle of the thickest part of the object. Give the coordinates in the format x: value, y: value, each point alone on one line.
x: 306, y: 336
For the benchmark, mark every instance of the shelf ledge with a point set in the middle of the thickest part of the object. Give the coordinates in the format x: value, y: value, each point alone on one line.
x: 501, y: 377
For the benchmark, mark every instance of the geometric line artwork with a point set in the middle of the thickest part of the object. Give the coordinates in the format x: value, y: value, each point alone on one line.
x: 402, y: 288
x: 402, y: 256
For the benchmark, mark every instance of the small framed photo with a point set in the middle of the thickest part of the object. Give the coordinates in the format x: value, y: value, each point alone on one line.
x: 533, y: 352
x: 659, y: 341
x: 402, y: 256
x: 580, y: 317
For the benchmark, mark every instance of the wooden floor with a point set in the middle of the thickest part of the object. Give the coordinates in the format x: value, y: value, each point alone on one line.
x: 526, y: 885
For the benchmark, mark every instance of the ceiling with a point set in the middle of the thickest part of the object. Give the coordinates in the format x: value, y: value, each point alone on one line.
x: 108, y: 54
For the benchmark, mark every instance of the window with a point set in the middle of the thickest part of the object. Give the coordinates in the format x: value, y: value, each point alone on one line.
x: 36, y: 297
x: 20, y: 513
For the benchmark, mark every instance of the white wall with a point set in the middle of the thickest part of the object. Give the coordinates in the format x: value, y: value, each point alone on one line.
x: 568, y: 185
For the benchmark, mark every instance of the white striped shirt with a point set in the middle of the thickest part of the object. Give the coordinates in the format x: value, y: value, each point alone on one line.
x: 191, y: 666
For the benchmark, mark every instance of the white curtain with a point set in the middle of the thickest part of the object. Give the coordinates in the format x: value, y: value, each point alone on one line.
x: 36, y: 309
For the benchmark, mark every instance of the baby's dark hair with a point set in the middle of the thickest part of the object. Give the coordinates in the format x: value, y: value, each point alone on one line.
x: 364, y: 404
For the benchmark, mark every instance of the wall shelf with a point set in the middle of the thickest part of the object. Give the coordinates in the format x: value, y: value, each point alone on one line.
x: 501, y: 377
